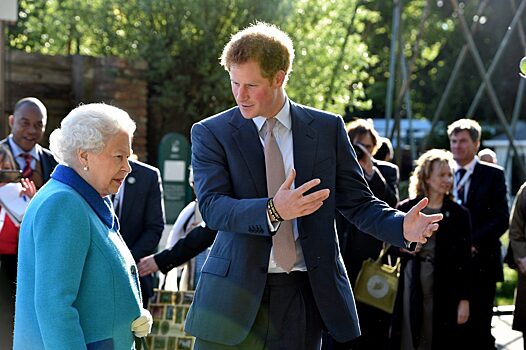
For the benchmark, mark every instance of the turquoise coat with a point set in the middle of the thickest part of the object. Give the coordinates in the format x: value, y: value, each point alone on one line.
x: 77, y: 282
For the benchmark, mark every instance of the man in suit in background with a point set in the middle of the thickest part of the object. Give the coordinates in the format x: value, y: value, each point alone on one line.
x: 480, y: 187
x: 27, y: 123
x: 357, y: 246
x: 270, y: 175
x: 140, y: 208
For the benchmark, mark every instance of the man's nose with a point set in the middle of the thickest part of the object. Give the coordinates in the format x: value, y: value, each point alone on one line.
x: 127, y: 166
x: 241, y: 93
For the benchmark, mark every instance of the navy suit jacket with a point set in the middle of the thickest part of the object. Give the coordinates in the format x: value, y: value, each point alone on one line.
x: 230, y: 183
x: 47, y: 160
x: 487, y: 203
x: 142, y: 215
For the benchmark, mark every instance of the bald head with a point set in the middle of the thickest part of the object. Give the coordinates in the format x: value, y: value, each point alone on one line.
x: 28, y: 122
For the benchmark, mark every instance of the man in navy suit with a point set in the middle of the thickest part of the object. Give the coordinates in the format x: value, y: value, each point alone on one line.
x: 139, y: 206
x: 480, y: 187
x: 250, y: 296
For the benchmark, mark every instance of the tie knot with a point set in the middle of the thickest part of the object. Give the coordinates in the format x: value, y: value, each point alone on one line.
x: 28, y: 157
x: 460, y: 173
x: 270, y: 124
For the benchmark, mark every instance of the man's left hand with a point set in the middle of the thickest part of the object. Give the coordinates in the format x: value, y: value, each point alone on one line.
x: 418, y: 227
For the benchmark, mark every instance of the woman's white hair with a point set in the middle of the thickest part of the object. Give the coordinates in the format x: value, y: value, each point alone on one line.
x: 88, y: 128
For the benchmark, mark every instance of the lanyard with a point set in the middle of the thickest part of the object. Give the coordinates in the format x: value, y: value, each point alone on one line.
x: 463, y: 182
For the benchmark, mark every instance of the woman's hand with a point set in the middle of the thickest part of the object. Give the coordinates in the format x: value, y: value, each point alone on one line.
x: 147, y: 266
x: 463, y: 312
x: 28, y: 188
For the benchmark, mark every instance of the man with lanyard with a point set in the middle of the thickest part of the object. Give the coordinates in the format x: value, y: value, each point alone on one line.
x: 481, y: 188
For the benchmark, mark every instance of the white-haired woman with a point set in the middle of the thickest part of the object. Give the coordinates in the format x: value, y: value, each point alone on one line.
x: 77, y: 284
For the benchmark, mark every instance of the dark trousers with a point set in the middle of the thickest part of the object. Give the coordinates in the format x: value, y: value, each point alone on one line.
x: 477, y: 331
x: 288, y: 318
x: 374, y: 325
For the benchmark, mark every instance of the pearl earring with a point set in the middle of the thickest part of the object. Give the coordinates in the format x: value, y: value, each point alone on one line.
x: 86, y: 168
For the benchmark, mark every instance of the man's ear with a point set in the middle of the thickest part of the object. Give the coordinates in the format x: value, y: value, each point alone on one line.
x: 11, y: 121
x: 279, y: 78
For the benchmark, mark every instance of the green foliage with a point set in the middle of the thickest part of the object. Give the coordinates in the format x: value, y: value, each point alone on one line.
x: 506, y: 290
x: 342, y: 50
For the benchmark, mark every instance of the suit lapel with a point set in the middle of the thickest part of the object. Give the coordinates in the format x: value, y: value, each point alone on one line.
x: 476, y: 182
x: 249, y: 144
x: 305, y: 141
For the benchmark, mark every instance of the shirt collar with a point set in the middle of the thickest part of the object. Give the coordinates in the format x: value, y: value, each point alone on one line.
x: 283, y: 117
x: 101, y: 205
x: 470, y: 165
x: 17, y: 151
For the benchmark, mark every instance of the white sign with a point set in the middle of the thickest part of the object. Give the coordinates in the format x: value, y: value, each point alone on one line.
x: 174, y: 170
x: 8, y: 10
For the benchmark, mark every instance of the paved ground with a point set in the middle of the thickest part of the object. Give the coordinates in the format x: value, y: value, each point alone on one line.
x: 507, y: 339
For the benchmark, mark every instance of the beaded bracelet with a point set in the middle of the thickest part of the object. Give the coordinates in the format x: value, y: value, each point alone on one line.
x: 274, y: 215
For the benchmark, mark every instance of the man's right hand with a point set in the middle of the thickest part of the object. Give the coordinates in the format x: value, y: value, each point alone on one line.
x: 291, y: 203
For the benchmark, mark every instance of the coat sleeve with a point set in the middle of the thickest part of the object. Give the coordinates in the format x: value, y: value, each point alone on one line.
x: 61, y: 243
x: 355, y: 200
x: 153, y: 218
x: 219, y: 207
x: 517, y: 229
x: 185, y: 249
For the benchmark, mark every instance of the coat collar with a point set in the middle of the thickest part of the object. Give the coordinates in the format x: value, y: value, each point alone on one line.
x: 101, y: 205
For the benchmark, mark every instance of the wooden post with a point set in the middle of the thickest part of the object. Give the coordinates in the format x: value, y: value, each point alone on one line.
x: 3, y: 117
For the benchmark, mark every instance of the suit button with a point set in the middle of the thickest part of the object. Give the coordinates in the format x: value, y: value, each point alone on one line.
x: 133, y: 270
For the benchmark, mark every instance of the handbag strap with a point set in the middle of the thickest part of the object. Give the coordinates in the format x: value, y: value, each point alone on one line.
x: 384, y: 250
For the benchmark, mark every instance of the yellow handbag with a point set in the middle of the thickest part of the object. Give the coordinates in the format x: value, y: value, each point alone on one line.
x: 377, y: 283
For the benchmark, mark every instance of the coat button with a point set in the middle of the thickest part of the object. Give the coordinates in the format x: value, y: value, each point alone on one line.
x: 133, y: 270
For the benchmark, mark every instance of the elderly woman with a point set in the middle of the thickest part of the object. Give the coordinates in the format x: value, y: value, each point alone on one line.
x: 434, y: 284
x: 78, y: 285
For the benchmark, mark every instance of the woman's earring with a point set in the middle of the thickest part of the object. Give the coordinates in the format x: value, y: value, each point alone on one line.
x: 86, y: 168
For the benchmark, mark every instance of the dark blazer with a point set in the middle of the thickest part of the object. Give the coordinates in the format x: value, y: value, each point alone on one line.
x: 186, y: 248
x: 391, y: 174
x: 47, y: 160
x: 142, y: 215
x: 230, y: 182
x: 487, y: 203
x: 450, y: 277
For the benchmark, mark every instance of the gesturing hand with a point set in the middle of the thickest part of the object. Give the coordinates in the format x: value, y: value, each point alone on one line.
x: 418, y: 227
x: 291, y: 204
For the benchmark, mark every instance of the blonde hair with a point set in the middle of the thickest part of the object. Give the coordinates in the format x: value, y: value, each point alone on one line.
x: 424, y: 167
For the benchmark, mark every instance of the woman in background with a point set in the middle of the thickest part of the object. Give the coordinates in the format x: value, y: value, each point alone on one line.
x: 434, y: 281
x: 78, y: 285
